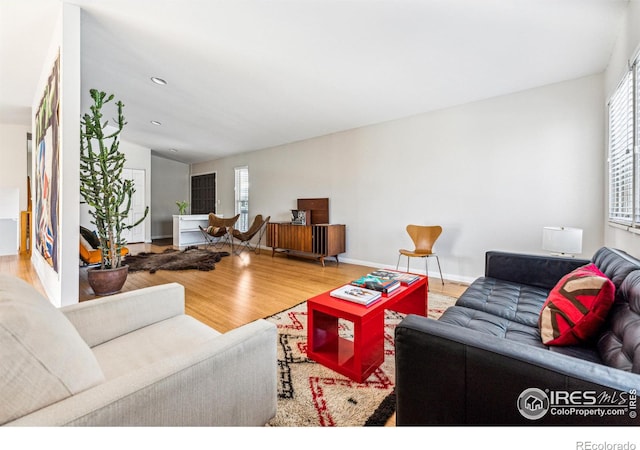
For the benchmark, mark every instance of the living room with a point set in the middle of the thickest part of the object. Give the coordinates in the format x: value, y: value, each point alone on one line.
x: 493, y: 169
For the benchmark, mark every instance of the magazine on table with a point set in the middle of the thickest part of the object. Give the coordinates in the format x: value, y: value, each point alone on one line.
x: 356, y: 294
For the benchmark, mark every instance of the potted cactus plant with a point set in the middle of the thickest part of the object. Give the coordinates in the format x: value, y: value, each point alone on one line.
x: 107, y: 193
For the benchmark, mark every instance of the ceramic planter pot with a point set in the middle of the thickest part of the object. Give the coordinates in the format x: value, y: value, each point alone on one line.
x: 107, y: 281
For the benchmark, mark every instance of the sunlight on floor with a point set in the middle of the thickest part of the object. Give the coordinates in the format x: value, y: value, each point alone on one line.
x: 245, y: 259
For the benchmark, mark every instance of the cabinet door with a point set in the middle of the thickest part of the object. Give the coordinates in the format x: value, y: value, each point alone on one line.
x: 295, y: 237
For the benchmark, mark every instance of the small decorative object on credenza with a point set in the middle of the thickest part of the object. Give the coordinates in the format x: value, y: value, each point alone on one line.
x: 300, y: 216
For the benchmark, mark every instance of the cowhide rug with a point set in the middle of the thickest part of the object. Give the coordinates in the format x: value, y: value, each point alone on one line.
x: 171, y: 259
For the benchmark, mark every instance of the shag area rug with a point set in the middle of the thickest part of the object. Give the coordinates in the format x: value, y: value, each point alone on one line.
x: 310, y: 394
x: 171, y: 259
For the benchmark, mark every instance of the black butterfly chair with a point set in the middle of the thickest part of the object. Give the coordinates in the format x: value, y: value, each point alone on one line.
x: 217, y: 233
x: 258, y: 227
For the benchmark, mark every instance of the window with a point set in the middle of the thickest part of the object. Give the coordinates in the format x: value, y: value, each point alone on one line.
x: 621, y: 154
x: 242, y: 197
x: 624, y: 149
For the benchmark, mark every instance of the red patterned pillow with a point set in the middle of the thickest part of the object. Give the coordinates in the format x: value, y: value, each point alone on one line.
x: 576, y: 307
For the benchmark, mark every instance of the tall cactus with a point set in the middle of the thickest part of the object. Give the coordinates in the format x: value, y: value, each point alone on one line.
x: 101, y: 184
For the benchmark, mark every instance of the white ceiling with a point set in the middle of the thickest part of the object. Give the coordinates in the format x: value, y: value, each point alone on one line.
x: 249, y: 74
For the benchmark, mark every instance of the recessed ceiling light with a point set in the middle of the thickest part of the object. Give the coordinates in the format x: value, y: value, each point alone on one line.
x: 155, y: 122
x: 157, y: 80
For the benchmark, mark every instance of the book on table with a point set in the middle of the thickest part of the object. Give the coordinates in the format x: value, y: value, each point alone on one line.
x: 403, y: 277
x: 356, y: 294
x: 407, y: 278
x: 385, y: 274
x: 375, y: 283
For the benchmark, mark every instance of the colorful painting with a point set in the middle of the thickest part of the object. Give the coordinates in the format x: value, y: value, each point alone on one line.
x: 47, y: 171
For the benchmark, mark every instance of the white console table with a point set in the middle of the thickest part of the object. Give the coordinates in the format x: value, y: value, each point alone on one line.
x: 186, y: 231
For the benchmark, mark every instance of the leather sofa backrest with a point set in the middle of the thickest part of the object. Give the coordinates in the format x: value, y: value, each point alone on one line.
x: 619, y: 344
x: 615, y: 264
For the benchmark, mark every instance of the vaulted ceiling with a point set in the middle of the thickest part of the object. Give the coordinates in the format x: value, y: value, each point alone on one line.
x: 248, y: 74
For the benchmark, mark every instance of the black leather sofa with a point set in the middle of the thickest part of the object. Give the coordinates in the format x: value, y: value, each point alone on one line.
x: 483, y: 362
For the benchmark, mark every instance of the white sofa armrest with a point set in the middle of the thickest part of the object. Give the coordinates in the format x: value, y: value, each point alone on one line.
x: 106, y: 318
x: 228, y: 381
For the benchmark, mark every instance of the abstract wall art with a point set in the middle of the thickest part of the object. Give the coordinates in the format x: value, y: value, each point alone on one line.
x: 47, y: 170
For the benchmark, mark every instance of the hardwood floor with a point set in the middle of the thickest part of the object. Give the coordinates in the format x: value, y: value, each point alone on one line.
x: 240, y: 289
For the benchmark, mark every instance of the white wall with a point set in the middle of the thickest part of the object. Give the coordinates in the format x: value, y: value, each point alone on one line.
x: 62, y: 286
x: 13, y: 170
x: 170, y: 184
x: 626, y: 48
x: 492, y: 173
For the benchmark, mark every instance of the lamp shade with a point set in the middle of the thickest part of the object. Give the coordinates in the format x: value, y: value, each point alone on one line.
x: 562, y: 240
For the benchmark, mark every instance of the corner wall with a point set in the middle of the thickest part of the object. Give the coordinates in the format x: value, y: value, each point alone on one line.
x: 13, y: 170
x: 170, y: 183
x: 62, y: 286
x: 492, y: 173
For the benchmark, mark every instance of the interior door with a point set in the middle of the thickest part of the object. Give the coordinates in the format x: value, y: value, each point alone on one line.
x: 137, y: 233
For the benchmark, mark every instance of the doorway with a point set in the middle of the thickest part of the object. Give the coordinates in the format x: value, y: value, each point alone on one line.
x: 203, y: 193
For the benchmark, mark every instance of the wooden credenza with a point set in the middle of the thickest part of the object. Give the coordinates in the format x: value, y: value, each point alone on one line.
x: 315, y: 241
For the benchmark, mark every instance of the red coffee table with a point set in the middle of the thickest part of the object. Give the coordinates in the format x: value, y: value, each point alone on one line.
x: 357, y: 359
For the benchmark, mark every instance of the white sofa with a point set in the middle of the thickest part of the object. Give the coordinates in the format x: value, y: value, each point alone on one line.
x: 130, y: 359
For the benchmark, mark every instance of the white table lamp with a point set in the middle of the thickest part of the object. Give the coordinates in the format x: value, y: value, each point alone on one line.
x: 564, y: 241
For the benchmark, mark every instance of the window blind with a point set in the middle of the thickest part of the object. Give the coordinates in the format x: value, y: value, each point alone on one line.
x: 621, y: 152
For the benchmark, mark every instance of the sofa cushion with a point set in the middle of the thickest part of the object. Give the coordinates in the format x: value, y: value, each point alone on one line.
x: 491, y: 324
x: 90, y: 237
x: 513, y: 301
x: 619, y: 344
x: 43, y: 359
x: 512, y: 330
x: 161, y: 340
x: 85, y: 244
x: 576, y: 307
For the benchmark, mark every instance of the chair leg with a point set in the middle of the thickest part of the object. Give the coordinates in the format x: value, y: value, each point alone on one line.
x: 398, y: 263
x: 259, y: 244
x: 241, y: 246
x: 225, y: 241
x: 438, y: 260
x: 426, y: 270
